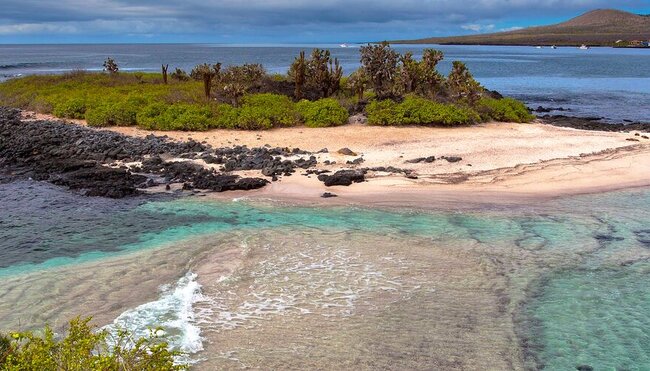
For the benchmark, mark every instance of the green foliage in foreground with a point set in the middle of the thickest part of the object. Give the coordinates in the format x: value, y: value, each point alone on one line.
x: 503, y: 110
x: 83, y: 348
x: 322, y: 113
x: 419, y: 111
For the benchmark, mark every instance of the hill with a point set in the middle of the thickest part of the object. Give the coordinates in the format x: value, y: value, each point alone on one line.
x: 601, y: 27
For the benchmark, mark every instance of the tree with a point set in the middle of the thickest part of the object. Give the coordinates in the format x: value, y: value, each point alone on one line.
x: 462, y: 85
x: 380, y: 65
x: 298, y: 73
x: 164, y: 72
x: 110, y: 66
x: 206, y: 73
x: 431, y: 81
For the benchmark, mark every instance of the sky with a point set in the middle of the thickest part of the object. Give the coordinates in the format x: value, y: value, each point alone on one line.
x: 277, y: 21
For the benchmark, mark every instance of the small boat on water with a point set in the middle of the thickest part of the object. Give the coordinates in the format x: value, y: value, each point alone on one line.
x: 553, y: 47
x: 344, y: 46
x: 539, y: 47
x: 583, y: 47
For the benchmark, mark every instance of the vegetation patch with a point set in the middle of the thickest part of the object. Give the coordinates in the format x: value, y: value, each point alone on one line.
x: 322, y: 113
x: 419, y: 111
x: 84, y: 347
x: 389, y: 87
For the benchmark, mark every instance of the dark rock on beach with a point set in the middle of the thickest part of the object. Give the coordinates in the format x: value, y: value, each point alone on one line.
x: 84, y: 159
x: 343, y: 177
x: 593, y: 123
x: 346, y: 152
x: 328, y: 195
x: 452, y: 158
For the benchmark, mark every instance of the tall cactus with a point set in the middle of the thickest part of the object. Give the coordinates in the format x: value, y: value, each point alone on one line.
x: 206, y: 73
x: 164, y: 73
x: 298, y: 72
x: 335, y: 74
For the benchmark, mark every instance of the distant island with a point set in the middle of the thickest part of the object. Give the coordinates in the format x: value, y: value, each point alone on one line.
x: 602, y: 27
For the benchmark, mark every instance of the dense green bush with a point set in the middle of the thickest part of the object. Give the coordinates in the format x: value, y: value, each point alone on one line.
x: 322, y: 113
x: 419, y: 111
x: 85, y: 348
x: 113, y: 114
x: 265, y: 111
x: 160, y: 116
x: 503, y: 110
x: 72, y: 108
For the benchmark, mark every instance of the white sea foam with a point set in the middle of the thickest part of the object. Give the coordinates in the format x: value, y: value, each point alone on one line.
x: 173, y: 312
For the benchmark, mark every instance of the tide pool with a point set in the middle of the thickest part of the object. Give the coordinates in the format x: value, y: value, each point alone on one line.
x: 573, y: 272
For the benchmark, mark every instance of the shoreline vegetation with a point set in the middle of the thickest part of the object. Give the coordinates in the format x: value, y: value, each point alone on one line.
x: 388, y: 89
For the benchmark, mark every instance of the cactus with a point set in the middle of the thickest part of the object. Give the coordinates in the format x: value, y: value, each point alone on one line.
x: 380, y: 65
x: 206, y: 73
x: 462, y: 85
x: 164, y: 73
x: 298, y: 73
x: 432, y: 82
x: 110, y: 66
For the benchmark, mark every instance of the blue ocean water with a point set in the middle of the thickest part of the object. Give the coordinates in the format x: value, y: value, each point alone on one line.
x: 585, y: 258
x: 600, y: 82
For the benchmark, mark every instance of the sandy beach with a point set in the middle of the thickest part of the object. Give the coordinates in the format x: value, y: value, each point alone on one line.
x: 502, y: 162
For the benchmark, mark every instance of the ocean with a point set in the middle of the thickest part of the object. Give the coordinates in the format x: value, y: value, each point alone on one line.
x: 600, y: 82
x: 260, y: 284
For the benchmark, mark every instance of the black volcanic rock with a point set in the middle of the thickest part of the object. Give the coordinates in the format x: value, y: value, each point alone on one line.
x: 593, y: 123
x: 343, y: 177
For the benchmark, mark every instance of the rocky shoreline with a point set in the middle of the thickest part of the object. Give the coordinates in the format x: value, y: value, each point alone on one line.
x: 108, y: 164
x: 112, y: 164
x: 593, y: 123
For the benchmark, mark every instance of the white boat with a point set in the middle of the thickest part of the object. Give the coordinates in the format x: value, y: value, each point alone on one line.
x: 539, y: 47
x: 344, y: 46
x: 553, y: 47
x: 583, y: 47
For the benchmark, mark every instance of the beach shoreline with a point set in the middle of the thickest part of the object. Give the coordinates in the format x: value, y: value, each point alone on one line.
x: 500, y: 163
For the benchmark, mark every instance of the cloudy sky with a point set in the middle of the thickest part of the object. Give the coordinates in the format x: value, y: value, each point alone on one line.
x: 277, y: 21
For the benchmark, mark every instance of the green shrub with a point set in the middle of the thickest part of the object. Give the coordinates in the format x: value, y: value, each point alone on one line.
x: 148, y: 116
x: 503, y: 110
x: 382, y: 112
x: 160, y: 116
x: 322, y: 113
x: 99, y: 116
x: 265, y: 111
x: 225, y: 116
x: 73, y: 108
x: 112, y: 114
x: 5, y: 348
x: 419, y: 111
x: 84, y: 348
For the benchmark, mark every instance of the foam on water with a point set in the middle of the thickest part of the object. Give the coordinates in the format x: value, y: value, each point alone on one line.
x: 172, y: 313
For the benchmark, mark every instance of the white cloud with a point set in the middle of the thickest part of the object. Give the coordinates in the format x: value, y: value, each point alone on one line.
x: 478, y: 27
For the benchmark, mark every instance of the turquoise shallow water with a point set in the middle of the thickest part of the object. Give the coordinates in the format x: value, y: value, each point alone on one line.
x: 587, y: 257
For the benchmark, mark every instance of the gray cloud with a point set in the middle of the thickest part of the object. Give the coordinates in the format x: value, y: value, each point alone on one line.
x: 223, y: 17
